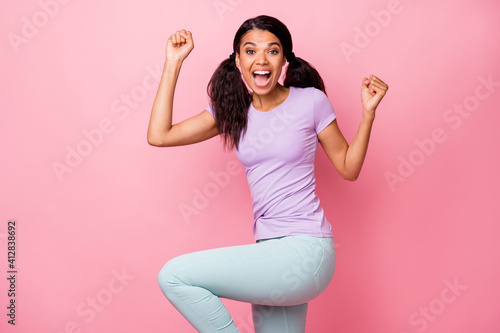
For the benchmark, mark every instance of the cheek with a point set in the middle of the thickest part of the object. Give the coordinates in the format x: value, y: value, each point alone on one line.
x: 243, y: 66
x: 278, y: 70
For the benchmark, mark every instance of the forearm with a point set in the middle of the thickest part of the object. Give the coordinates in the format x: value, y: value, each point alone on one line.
x: 356, y: 151
x: 160, y: 121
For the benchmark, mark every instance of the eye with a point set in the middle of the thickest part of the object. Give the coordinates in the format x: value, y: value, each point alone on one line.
x: 250, y: 51
x: 274, y: 51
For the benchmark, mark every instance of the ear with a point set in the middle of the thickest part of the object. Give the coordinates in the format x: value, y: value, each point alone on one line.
x: 237, y: 60
x: 284, y: 61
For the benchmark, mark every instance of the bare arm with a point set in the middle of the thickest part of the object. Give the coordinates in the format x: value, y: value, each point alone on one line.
x: 161, y: 132
x: 348, y: 159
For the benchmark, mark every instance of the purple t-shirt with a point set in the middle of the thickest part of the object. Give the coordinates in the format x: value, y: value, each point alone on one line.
x: 277, y: 152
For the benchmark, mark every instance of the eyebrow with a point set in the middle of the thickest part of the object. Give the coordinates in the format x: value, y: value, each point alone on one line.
x: 270, y: 44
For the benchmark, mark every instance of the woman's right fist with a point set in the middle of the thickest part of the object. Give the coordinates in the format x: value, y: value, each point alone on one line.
x: 179, y: 45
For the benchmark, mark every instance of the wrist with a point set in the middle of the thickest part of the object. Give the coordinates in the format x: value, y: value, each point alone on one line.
x: 368, y: 116
x: 171, y: 66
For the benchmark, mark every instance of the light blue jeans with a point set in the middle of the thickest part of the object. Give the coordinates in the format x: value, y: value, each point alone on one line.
x: 278, y: 276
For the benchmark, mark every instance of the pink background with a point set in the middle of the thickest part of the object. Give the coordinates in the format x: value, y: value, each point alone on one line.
x: 423, y: 216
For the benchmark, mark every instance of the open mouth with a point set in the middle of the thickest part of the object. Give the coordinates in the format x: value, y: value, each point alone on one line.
x: 261, y: 78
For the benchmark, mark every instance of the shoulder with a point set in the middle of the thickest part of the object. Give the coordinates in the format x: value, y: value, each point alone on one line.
x: 309, y: 96
x: 308, y: 93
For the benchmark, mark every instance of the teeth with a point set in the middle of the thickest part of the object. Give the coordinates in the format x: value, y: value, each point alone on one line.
x: 262, y: 72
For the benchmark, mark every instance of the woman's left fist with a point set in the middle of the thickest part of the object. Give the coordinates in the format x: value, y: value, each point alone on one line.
x: 373, y: 90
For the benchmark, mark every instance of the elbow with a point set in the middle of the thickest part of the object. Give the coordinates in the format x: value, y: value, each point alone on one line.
x: 350, y: 176
x: 155, y: 142
x: 152, y: 141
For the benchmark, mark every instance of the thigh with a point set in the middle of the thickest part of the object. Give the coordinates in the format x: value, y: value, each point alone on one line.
x: 287, y: 271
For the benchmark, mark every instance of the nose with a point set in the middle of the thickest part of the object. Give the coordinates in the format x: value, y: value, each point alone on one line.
x: 261, y: 58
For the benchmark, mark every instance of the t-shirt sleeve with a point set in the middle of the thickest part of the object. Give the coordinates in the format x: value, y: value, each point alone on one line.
x: 211, y: 110
x: 324, y: 113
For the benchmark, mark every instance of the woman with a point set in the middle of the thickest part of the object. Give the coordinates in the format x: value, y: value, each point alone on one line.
x: 275, y: 130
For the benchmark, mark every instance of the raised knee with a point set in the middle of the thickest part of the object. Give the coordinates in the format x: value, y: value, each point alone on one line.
x: 170, y: 275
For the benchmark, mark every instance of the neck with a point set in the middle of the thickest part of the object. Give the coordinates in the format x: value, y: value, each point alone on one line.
x: 271, y: 100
